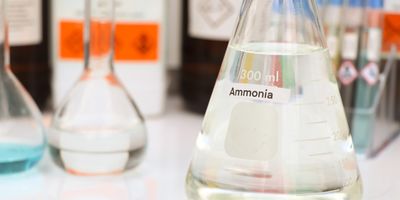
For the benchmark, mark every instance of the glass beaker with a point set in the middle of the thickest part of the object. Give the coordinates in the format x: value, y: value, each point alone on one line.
x: 275, y: 127
x: 22, y: 140
x: 98, y: 129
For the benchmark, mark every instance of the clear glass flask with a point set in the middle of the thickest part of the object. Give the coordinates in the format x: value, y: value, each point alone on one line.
x: 275, y: 127
x: 22, y: 139
x: 98, y: 129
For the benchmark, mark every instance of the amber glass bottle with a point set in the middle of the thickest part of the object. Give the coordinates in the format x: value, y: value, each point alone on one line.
x: 28, y: 25
x: 207, y: 27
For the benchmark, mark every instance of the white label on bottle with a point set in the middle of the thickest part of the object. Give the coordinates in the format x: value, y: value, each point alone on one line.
x: 25, y: 22
x: 213, y: 19
x: 140, y: 11
x: 2, y: 33
x: 392, y: 5
x: 333, y: 45
x: 350, y: 46
x: 374, y: 44
x: 259, y: 93
x: 253, y: 132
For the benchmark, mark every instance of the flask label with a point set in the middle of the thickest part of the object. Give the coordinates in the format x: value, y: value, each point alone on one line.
x: 25, y: 22
x: 213, y: 19
x: 259, y: 93
x: 250, y: 137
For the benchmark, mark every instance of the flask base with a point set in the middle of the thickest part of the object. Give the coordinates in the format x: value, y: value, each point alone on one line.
x: 93, y: 163
x: 198, y: 190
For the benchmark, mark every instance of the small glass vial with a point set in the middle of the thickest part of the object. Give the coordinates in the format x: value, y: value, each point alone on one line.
x: 22, y: 140
x: 98, y: 129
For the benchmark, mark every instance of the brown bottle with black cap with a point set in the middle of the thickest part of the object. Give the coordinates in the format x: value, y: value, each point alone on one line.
x: 207, y: 27
x: 28, y: 26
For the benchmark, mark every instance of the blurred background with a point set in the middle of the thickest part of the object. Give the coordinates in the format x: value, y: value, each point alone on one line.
x: 168, y: 54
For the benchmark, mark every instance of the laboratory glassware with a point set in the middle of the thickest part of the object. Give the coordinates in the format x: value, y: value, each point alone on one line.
x: 98, y: 129
x: 22, y: 138
x: 367, y: 86
x: 333, y: 17
x: 275, y: 127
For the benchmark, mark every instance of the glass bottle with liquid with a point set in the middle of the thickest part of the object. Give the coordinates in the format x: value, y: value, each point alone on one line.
x: 98, y: 129
x: 367, y: 85
x: 22, y: 140
x: 275, y: 127
x: 350, y: 47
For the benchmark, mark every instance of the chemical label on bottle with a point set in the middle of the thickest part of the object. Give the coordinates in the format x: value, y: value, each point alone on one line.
x: 370, y: 73
x: 25, y: 22
x: 374, y: 44
x: 347, y: 73
x: 253, y: 132
x: 138, y: 30
x: 392, y: 5
x: 333, y: 45
x: 391, y: 30
x: 350, y: 46
x: 137, y: 42
x: 259, y: 93
x: 213, y: 19
x: 133, y: 42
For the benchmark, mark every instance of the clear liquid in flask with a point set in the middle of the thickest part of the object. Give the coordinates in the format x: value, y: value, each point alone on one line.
x: 98, y: 129
x: 275, y: 129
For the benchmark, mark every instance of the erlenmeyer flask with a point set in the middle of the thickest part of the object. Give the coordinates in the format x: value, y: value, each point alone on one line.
x: 98, y: 129
x: 22, y: 138
x: 275, y: 127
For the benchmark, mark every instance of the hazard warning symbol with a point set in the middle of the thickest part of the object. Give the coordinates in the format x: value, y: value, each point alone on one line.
x: 370, y: 73
x: 347, y: 73
x: 71, y: 40
x: 133, y: 42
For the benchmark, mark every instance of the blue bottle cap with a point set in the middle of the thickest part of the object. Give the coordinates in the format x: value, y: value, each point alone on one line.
x: 295, y: 7
x: 336, y: 2
x: 376, y: 4
x: 356, y: 3
x: 298, y: 7
x: 320, y: 2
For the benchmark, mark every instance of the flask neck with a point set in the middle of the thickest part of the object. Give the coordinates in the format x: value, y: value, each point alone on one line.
x: 99, y: 36
x: 279, y: 21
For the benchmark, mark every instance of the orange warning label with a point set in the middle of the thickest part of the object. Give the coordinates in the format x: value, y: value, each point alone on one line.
x: 136, y: 42
x: 71, y: 40
x: 133, y: 42
x: 391, y: 31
